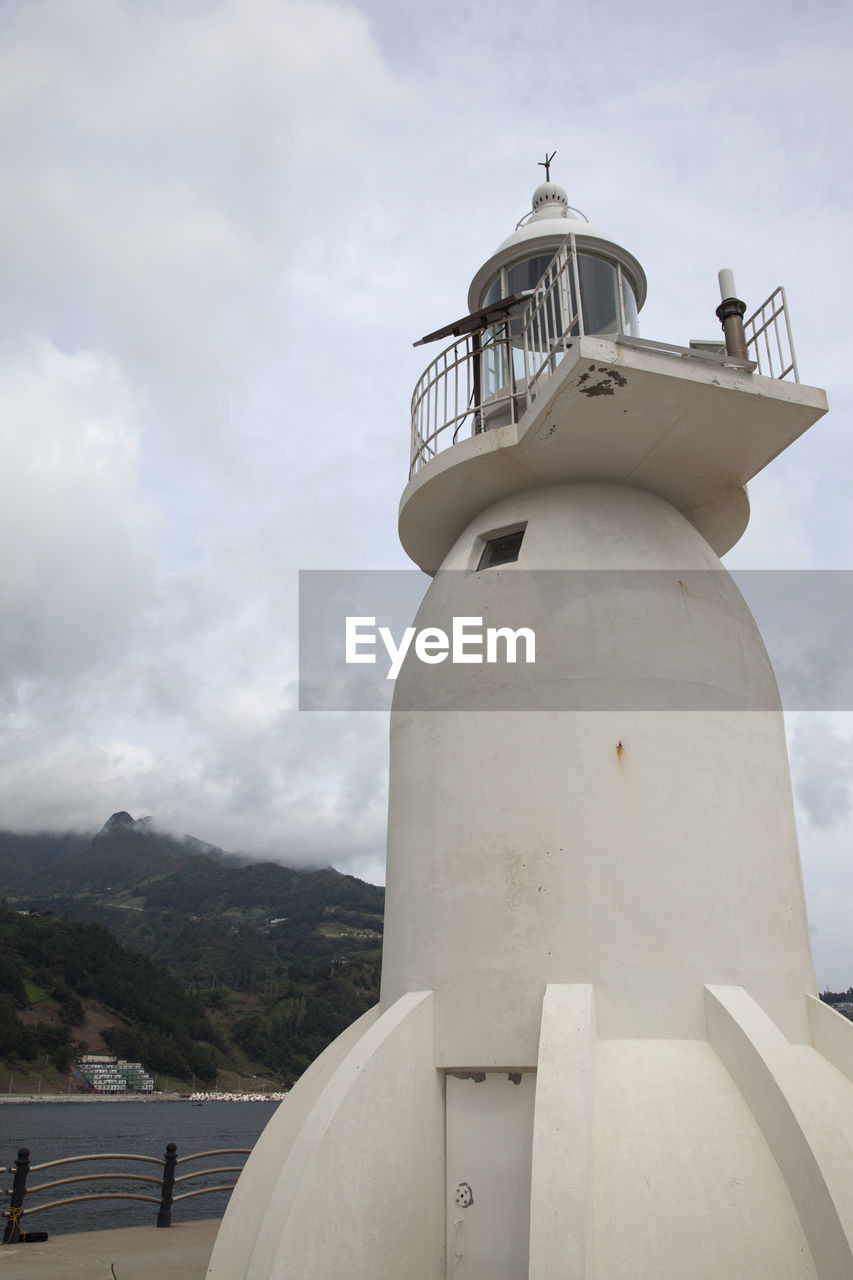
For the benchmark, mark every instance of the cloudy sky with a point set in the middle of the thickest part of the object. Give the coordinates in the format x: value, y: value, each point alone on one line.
x: 223, y: 223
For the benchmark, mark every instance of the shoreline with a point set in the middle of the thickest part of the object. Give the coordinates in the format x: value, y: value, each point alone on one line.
x: 196, y: 1100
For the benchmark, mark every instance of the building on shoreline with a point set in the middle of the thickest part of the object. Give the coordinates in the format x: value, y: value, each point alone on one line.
x: 105, y: 1074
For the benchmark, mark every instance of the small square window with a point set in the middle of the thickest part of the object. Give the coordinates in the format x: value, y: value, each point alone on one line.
x: 501, y: 550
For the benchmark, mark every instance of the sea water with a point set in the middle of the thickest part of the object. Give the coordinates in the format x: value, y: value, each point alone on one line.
x: 58, y: 1129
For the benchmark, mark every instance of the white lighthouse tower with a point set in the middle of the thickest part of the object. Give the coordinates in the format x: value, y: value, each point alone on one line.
x: 599, y: 1052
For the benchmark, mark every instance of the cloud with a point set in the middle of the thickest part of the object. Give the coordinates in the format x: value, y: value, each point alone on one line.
x: 73, y: 523
x: 822, y: 771
x: 169, y: 164
x: 821, y: 750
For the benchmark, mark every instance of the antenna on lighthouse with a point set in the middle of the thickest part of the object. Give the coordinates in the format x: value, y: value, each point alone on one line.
x: 546, y: 164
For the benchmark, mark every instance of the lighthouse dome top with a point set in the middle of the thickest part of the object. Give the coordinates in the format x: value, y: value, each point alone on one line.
x: 548, y: 194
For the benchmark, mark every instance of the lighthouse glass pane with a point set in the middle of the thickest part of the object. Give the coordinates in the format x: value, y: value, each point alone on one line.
x: 598, y: 295
x: 494, y: 292
x: 527, y: 274
x: 629, y: 304
x: 494, y: 371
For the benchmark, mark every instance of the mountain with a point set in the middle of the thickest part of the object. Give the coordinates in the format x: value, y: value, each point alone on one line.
x: 283, y: 959
x: 24, y: 854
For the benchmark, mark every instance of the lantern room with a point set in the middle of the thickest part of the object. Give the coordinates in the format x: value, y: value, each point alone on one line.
x: 608, y: 281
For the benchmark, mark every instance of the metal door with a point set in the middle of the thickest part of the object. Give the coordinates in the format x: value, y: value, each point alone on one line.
x: 489, y: 1136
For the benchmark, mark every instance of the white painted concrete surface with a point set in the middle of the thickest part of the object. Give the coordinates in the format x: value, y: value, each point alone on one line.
x: 561, y: 1208
x: 685, y: 1184
x: 644, y: 851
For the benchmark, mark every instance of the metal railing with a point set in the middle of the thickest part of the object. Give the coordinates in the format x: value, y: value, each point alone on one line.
x: 769, y: 339
x: 487, y: 379
x: 490, y: 378
x: 166, y: 1181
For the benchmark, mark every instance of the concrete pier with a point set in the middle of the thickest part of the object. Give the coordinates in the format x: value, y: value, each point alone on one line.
x: 180, y: 1252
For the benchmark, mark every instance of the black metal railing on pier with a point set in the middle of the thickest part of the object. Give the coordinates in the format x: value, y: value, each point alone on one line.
x: 166, y: 1182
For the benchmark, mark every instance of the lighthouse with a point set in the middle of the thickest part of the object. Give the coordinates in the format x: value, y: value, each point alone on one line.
x: 599, y: 1053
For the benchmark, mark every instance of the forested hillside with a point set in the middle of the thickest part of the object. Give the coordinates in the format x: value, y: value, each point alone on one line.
x: 281, y: 960
x: 50, y: 969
